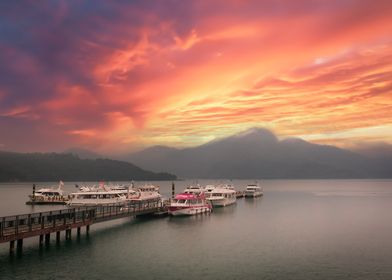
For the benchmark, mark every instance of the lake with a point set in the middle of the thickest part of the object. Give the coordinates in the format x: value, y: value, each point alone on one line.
x: 300, y: 229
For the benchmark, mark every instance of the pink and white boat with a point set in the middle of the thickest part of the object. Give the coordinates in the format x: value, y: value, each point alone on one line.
x: 189, y: 203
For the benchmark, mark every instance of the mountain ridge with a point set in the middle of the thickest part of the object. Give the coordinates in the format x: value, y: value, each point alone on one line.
x: 69, y: 167
x: 258, y: 153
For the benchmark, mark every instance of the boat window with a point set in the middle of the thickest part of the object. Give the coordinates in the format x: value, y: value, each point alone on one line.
x: 181, y: 201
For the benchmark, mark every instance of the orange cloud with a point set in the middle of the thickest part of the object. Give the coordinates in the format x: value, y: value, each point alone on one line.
x: 135, y: 75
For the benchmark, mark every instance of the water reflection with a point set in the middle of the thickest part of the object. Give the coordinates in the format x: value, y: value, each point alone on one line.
x: 227, y: 210
x: 290, y: 233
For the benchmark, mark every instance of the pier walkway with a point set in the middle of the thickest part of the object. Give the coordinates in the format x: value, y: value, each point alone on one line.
x: 42, y: 224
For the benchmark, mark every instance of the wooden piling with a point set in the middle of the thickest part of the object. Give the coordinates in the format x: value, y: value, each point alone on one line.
x: 57, y: 237
x: 47, y: 238
x: 19, y: 245
x: 12, y: 246
x: 41, y: 240
x: 68, y: 234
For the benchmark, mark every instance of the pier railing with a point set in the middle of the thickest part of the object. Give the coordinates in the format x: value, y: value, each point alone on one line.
x: 27, y: 225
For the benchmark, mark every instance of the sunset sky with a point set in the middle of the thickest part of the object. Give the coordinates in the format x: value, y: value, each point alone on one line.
x: 116, y: 76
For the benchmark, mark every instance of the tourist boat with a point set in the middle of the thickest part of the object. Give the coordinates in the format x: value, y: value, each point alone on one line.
x: 195, y: 189
x: 253, y: 190
x: 208, y: 189
x: 239, y: 194
x: 222, y: 196
x: 145, y: 192
x: 122, y: 188
x: 101, y: 196
x: 189, y: 203
x: 53, y: 195
x: 148, y: 188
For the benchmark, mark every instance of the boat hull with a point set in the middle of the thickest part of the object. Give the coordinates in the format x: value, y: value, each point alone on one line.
x: 253, y: 194
x: 40, y: 200
x: 97, y: 202
x: 188, y: 211
x: 222, y: 202
x: 60, y: 202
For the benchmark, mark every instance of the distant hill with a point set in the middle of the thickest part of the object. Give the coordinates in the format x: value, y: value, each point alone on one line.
x: 83, y: 153
x: 257, y: 153
x: 69, y: 167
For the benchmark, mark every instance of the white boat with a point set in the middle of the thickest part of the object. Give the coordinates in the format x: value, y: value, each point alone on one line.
x: 145, y: 192
x: 253, y: 190
x: 148, y: 188
x: 222, y: 196
x: 96, y: 197
x: 53, y: 195
x: 195, y: 190
x: 208, y: 189
x: 132, y: 193
x: 189, y: 204
x: 122, y: 188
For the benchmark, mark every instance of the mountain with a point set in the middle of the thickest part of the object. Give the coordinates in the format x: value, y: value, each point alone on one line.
x: 83, y: 153
x: 68, y: 167
x: 257, y: 153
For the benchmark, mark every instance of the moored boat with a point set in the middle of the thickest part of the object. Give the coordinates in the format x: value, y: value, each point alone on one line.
x: 188, y: 203
x: 97, y: 197
x: 239, y: 194
x: 195, y: 189
x: 146, y: 192
x: 208, y: 189
x: 222, y: 196
x: 53, y: 195
x: 253, y: 190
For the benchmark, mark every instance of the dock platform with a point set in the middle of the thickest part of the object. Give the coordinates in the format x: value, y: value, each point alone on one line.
x: 42, y: 224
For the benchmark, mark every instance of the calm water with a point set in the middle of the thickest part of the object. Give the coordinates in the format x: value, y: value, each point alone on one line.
x: 312, y: 229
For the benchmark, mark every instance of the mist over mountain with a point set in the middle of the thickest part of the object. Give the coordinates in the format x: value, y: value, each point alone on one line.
x: 257, y: 153
x: 375, y: 150
x: 69, y: 167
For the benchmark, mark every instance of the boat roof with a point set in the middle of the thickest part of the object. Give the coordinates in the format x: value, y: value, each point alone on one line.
x: 49, y: 190
x: 99, y: 192
x: 222, y: 190
x: 253, y: 187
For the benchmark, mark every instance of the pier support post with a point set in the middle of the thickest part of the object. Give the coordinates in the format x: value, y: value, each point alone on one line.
x: 12, y: 246
x: 68, y: 234
x: 78, y: 231
x: 87, y: 229
x: 173, y: 189
x: 47, y: 239
x: 57, y: 237
x: 41, y: 240
x: 19, y: 245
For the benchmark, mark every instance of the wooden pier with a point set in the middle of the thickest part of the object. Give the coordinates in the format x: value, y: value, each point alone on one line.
x: 42, y: 224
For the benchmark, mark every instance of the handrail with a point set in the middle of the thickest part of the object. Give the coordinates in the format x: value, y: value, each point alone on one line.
x: 56, y: 219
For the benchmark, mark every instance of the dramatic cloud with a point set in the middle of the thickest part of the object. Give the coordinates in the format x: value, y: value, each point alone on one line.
x: 119, y: 75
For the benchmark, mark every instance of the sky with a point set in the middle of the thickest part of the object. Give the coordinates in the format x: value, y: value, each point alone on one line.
x: 118, y: 76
